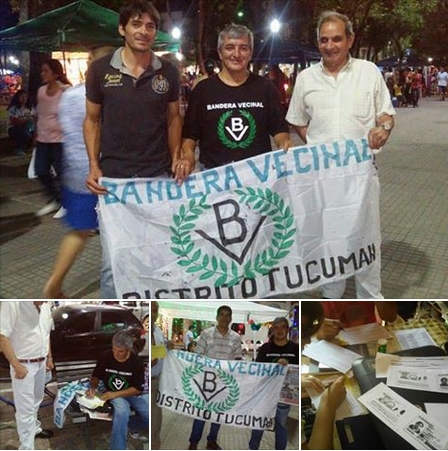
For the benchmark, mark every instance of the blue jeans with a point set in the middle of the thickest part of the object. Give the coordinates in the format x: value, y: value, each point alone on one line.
x: 122, y: 413
x: 281, y: 430
x: 21, y: 136
x: 198, y: 428
x: 48, y: 155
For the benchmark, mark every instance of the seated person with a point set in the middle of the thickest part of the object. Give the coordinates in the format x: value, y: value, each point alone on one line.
x: 21, y: 117
x: 341, y: 314
x: 312, y: 317
x: 122, y: 373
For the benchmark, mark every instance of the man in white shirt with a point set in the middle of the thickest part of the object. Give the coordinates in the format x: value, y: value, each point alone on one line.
x: 342, y: 98
x: 25, y: 328
x: 442, y: 82
x: 222, y: 343
x: 189, y: 337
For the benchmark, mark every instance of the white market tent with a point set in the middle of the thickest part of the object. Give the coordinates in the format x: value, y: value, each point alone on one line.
x: 206, y: 310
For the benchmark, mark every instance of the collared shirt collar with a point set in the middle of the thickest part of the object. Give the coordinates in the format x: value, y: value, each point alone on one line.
x: 347, y: 65
x: 117, y: 62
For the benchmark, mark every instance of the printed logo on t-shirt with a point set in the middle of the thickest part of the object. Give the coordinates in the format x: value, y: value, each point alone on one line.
x: 113, y: 80
x: 118, y: 383
x: 160, y: 84
x: 237, y: 129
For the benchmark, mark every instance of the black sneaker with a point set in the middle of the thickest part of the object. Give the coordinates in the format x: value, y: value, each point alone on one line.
x: 212, y: 445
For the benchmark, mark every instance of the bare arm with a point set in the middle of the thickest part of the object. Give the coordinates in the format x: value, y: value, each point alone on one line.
x: 131, y: 391
x: 301, y: 131
x: 19, y: 369
x: 282, y: 141
x: 378, y: 136
x: 92, y: 130
x: 174, y: 129
x: 322, y: 435
x: 187, y: 162
x: 387, y: 310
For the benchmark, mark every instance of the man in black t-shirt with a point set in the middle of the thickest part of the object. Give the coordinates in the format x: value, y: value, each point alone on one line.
x: 281, y: 350
x: 132, y: 126
x: 233, y: 114
x: 122, y: 374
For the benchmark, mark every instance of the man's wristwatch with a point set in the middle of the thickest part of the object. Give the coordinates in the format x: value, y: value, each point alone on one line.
x: 387, y: 126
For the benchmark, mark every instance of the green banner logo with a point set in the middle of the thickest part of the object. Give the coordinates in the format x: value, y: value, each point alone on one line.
x: 201, y: 387
x: 231, y: 269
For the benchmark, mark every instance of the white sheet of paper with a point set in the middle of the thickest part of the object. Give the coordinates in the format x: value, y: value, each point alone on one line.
x: 332, y: 355
x: 363, y: 334
x: 414, y: 338
x: 384, y: 361
x: 414, y: 425
x: 417, y: 378
x: 438, y: 412
x: 350, y: 407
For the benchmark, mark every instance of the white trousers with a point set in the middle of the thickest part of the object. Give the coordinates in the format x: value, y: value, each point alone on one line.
x: 28, y: 395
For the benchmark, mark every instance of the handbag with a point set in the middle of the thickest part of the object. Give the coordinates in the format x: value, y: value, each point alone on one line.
x: 31, y: 167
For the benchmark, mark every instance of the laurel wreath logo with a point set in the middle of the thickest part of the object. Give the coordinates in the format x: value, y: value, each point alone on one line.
x: 195, y: 261
x: 216, y: 406
x: 232, y: 144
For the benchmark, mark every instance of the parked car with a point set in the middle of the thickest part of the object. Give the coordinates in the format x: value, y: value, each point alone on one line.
x: 84, y: 331
x: 139, y: 308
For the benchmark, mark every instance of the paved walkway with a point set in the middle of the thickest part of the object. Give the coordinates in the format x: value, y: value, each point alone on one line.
x: 414, y: 218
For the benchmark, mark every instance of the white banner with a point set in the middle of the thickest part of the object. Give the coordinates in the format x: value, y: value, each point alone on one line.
x: 274, y: 224
x: 63, y: 399
x: 231, y: 392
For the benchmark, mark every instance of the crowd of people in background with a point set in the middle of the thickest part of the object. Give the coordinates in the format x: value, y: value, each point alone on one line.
x: 407, y: 85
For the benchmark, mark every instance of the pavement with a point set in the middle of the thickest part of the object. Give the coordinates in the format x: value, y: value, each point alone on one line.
x: 90, y: 434
x: 229, y: 437
x: 414, y: 219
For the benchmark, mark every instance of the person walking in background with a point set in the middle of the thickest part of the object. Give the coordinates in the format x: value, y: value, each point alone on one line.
x: 416, y: 86
x: 132, y: 126
x: 21, y: 122
x: 49, y: 134
x: 78, y: 201
x: 209, y: 66
x: 313, y: 99
x: 442, y: 82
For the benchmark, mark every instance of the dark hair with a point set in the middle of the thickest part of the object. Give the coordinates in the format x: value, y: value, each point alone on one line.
x: 209, y: 66
x: 314, y: 312
x: 15, y: 100
x: 224, y: 307
x: 191, y: 327
x: 57, y: 69
x: 136, y: 8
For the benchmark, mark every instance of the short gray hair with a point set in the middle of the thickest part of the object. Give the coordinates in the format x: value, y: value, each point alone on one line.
x: 332, y: 16
x: 234, y: 31
x: 123, y: 340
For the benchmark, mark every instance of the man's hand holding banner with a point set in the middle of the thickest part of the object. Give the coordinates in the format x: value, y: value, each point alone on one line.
x: 281, y: 222
x: 237, y: 393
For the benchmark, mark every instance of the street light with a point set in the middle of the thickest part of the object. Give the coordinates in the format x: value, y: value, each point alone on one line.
x: 275, y: 26
x: 176, y: 33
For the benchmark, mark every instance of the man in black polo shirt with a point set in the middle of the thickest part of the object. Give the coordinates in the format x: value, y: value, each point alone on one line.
x: 132, y: 126
x: 281, y: 350
x: 122, y: 374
